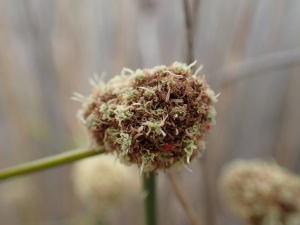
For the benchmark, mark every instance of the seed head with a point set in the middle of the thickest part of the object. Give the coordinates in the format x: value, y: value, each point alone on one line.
x: 102, y: 184
x: 261, y: 193
x: 155, y: 118
x: 17, y: 193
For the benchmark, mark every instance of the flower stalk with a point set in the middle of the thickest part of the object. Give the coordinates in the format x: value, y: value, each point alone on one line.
x: 149, y: 188
x: 182, y: 199
x: 48, y: 162
x: 189, y: 31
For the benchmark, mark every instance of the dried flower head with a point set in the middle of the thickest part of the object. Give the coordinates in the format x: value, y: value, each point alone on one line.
x: 102, y: 183
x: 155, y: 118
x: 261, y: 193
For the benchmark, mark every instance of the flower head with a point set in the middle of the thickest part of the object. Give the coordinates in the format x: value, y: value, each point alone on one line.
x: 18, y: 192
x: 261, y: 193
x: 102, y: 184
x: 155, y: 118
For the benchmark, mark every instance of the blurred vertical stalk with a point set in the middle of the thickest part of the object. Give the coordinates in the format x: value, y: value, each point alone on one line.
x: 149, y: 188
x: 190, y: 30
x: 183, y: 200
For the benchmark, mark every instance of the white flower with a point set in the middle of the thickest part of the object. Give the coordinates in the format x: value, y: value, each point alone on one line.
x: 102, y: 183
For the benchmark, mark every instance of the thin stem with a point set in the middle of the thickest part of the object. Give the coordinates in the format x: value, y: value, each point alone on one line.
x: 196, y: 9
x: 48, y: 162
x: 209, y: 216
x: 189, y: 31
x: 150, y: 198
x: 183, y: 200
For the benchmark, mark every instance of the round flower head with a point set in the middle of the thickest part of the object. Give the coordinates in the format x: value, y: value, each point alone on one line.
x: 17, y: 193
x: 102, y: 184
x: 155, y: 118
x: 261, y: 193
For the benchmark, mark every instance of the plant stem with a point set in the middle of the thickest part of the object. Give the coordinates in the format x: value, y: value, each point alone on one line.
x: 189, y: 31
x: 182, y: 199
x: 149, y: 188
x: 48, y: 162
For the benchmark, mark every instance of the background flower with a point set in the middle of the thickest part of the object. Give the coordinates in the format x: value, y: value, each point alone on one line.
x: 261, y: 192
x: 102, y: 183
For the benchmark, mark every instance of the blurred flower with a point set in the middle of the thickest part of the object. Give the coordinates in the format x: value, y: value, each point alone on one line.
x: 18, y: 198
x: 261, y: 193
x: 17, y: 192
x: 155, y: 118
x: 102, y: 183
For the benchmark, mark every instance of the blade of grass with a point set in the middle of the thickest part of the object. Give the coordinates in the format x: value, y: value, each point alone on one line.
x: 48, y: 162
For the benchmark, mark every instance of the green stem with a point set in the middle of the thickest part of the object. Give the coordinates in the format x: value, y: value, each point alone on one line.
x: 150, y: 199
x: 48, y: 162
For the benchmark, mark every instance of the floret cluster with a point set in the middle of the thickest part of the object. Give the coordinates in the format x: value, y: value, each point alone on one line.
x: 103, y: 184
x: 155, y: 118
x: 261, y: 193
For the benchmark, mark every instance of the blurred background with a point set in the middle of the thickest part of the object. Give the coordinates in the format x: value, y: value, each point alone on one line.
x: 48, y: 48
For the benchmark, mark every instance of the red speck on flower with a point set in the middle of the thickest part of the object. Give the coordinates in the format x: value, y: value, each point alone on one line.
x: 169, y: 147
x: 208, y: 127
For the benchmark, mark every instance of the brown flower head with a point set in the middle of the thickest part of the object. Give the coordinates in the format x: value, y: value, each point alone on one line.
x: 261, y: 193
x: 155, y: 118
